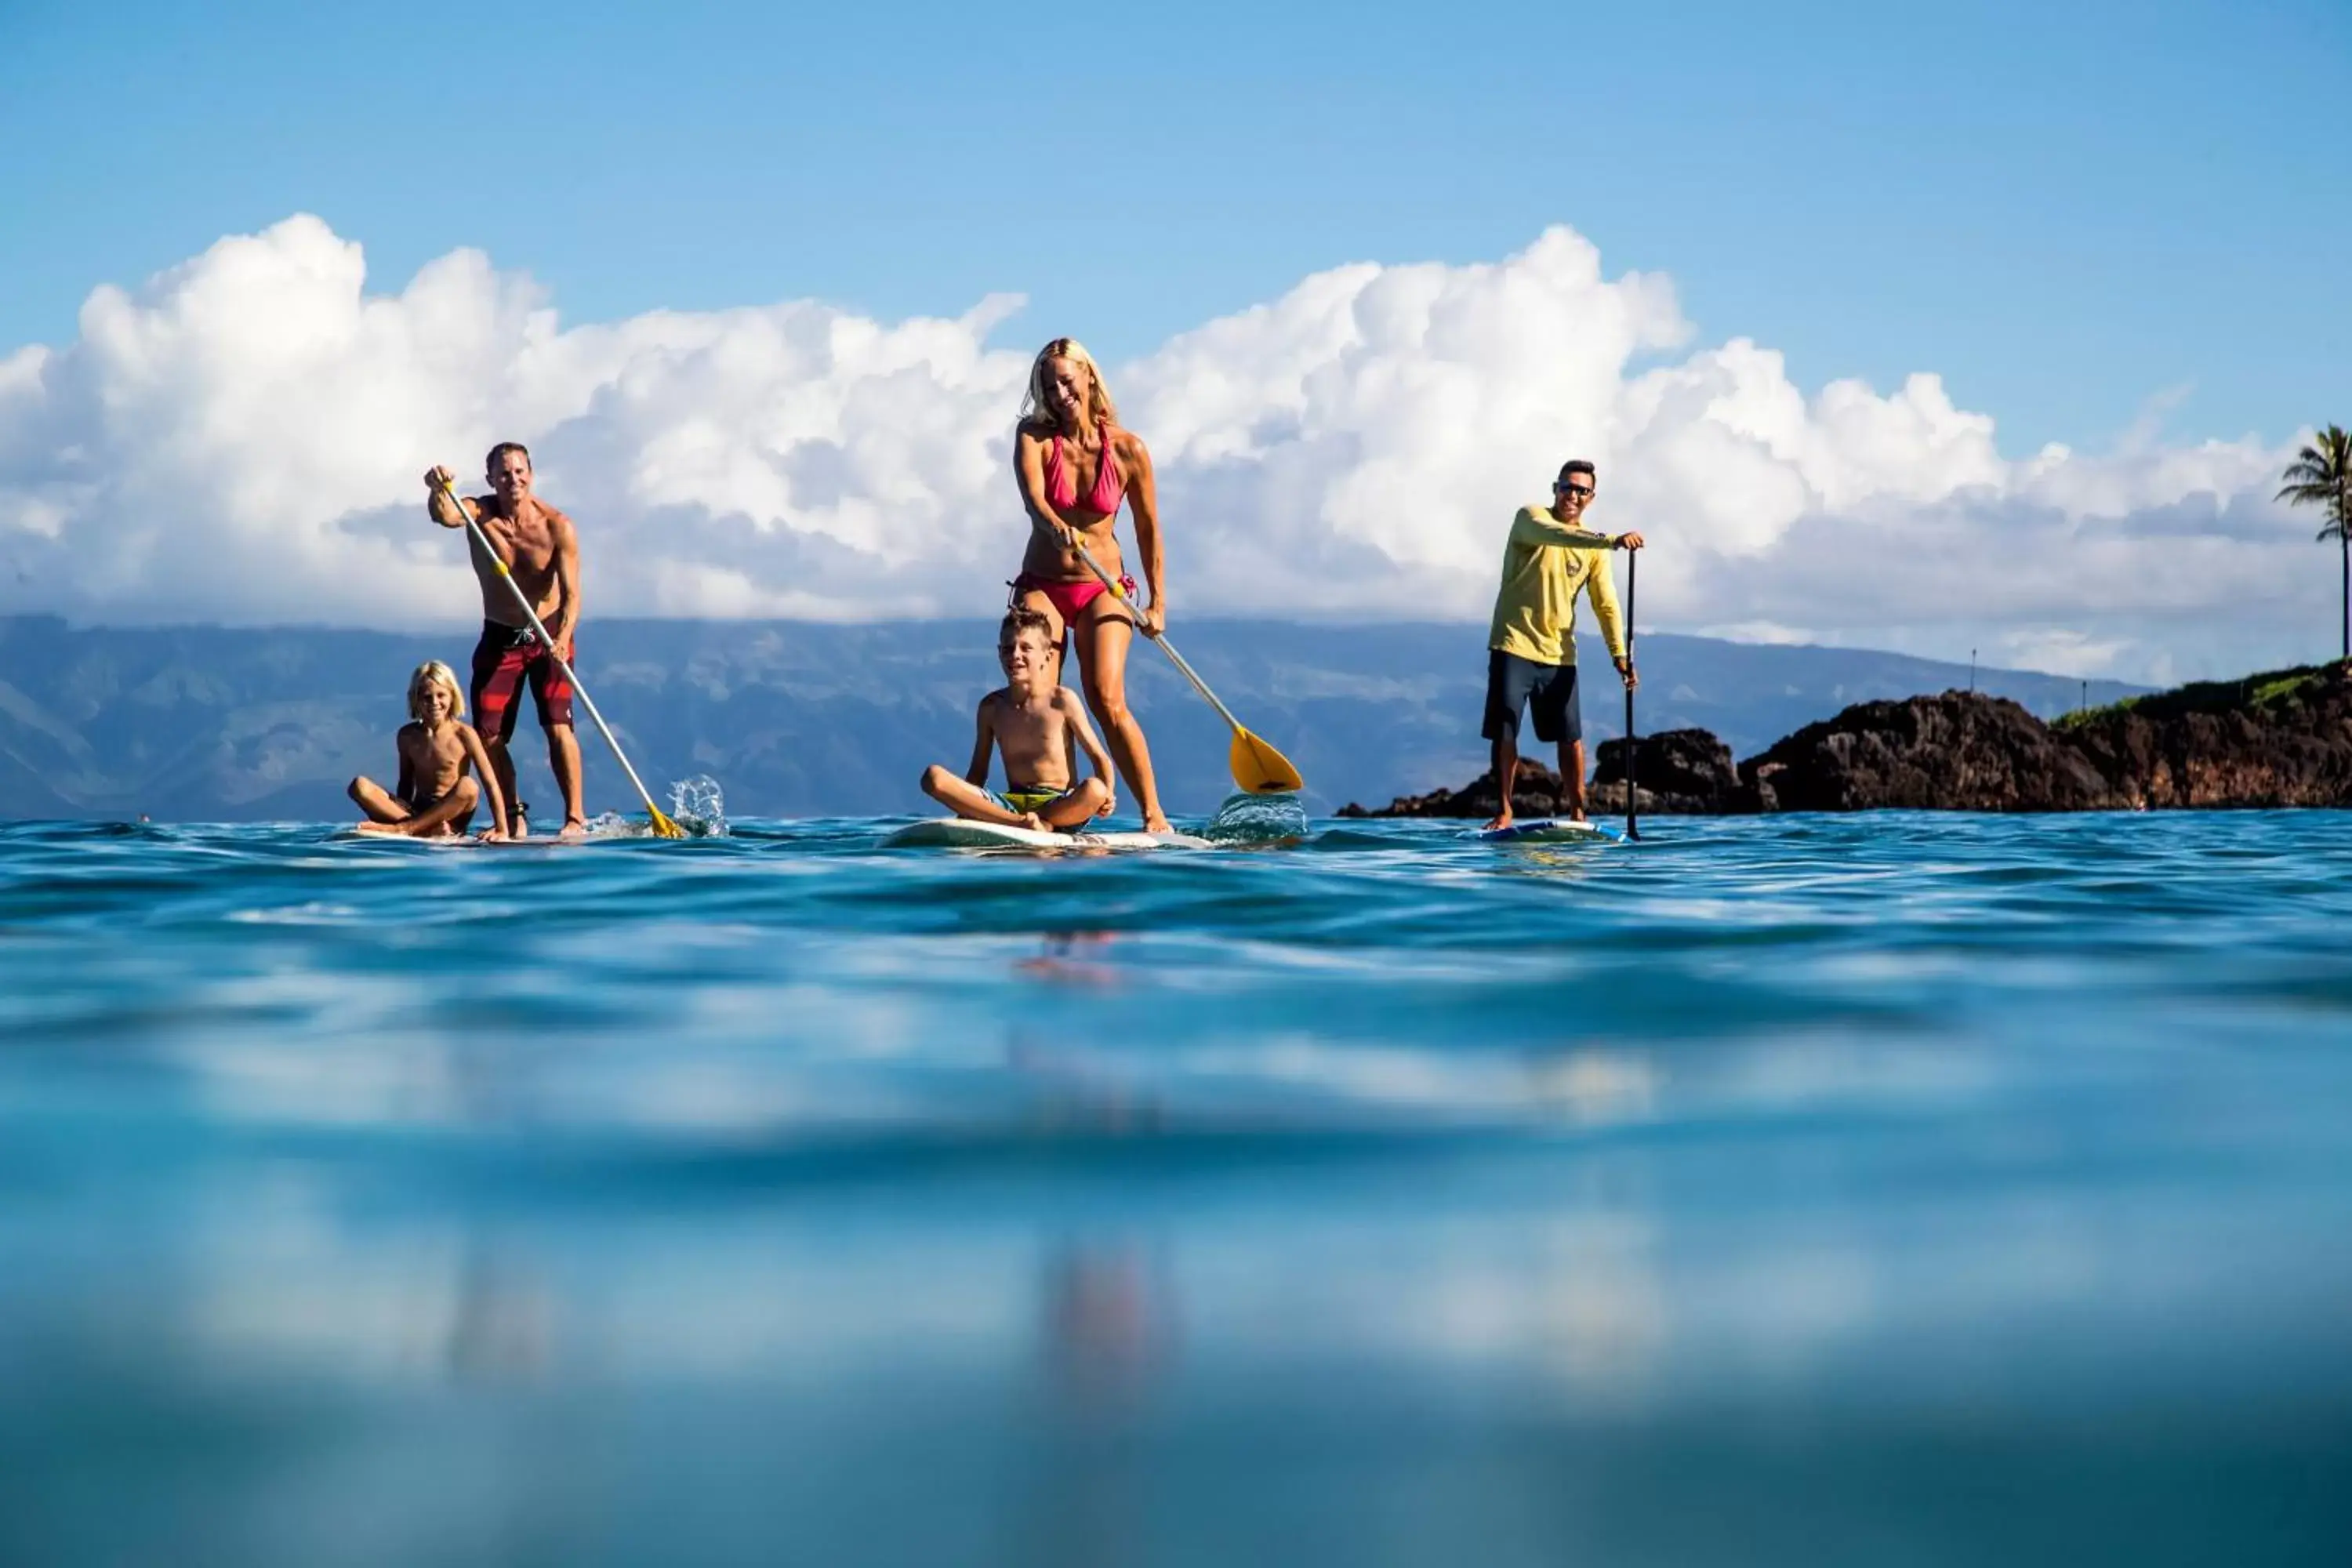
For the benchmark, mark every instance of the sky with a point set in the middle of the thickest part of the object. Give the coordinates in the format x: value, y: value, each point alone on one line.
x: 1988, y: 325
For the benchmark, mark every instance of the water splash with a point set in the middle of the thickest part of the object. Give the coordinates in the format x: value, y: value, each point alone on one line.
x: 1257, y: 819
x: 697, y: 805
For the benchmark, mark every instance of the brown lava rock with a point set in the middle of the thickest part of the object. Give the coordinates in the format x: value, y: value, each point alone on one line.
x: 1959, y: 751
x: 1536, y: 793
x: 1680, y: 772
x: 2280, y: 738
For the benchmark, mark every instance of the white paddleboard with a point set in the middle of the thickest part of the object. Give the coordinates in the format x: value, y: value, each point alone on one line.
x: 956, y: 832
x: 465, y: 840
x: 1546, y: 830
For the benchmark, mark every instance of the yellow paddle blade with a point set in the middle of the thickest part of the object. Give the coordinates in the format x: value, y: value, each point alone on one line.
x: 663, y: 826
x: 1259, y: 769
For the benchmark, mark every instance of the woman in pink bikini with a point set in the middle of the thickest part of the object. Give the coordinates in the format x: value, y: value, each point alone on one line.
x: 1074, y: 466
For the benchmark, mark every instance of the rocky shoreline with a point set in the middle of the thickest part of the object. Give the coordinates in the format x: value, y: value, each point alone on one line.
x: 2279, y: 739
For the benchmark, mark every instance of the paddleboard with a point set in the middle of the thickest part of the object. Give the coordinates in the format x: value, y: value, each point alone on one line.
x: 1547, y: 830
x: 464, y: 840
x: 956, y: 832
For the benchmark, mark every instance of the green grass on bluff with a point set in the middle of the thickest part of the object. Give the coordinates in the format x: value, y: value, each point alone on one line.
x: 2268, y: 694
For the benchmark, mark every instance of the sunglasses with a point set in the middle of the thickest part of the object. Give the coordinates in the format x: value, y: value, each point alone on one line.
x: 1566, y: 489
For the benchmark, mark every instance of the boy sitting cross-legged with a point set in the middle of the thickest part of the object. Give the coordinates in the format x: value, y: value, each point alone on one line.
x: 1040, y: 726
x: 434, y: 798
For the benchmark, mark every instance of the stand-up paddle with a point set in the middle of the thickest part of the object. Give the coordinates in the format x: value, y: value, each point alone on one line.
x: 663, y: 826
x: 1258, y: 768
x: 1632, y: 829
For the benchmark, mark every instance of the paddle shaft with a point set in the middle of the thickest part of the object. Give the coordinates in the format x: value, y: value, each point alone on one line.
x: 1633, y: 828
x: 522, y: 601
x: 1166, y: 646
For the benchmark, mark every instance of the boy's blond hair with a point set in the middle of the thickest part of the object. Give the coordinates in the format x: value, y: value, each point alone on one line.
x: 431, y: 673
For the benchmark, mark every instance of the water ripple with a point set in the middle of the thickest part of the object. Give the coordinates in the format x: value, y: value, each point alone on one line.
x: 1830, y: 1157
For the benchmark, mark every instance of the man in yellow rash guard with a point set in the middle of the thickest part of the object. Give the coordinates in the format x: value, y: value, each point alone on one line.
x: 1531, y: 650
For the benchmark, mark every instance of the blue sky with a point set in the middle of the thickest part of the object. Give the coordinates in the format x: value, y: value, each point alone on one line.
x: 2066, y: 211
x: 1362, y: 275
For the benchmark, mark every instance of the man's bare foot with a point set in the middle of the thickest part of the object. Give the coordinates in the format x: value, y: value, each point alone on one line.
x: 518, y: 821
x: 1034, y: 823
x: 393, y: 829
x: 1499, y: 823
x: 574, y: 827
x: 1157, y: 823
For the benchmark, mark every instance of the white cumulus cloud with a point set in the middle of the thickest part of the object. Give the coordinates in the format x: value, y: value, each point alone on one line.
x: 241, y: 440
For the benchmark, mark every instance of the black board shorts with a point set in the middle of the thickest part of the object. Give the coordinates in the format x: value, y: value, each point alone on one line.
x: 1548, y: 690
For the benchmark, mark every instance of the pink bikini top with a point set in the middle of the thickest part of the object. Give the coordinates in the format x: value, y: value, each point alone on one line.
x: 1062, y: 490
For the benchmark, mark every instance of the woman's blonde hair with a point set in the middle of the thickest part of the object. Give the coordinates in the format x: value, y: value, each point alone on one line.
x: 429, y: 674
x: 1035, y: 410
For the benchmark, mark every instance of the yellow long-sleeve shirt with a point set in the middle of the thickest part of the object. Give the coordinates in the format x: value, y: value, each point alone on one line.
x: 1544, y: 565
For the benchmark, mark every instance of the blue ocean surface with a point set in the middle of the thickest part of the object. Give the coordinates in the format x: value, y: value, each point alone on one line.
x: 1879, y: 1189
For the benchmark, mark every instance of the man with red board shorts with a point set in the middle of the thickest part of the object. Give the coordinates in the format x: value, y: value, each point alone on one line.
x: 540, y: 551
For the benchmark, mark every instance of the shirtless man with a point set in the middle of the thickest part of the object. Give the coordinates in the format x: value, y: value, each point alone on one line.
x: 1040, y: 726
x: 540, y: 551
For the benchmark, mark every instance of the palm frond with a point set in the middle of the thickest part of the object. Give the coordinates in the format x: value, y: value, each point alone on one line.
x: 2321, y: 475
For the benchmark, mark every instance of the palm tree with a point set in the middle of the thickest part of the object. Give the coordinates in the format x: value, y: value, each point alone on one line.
x: 2321, y: 476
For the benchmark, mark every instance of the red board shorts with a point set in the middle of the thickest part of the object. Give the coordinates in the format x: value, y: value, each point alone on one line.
x: 501, y: 659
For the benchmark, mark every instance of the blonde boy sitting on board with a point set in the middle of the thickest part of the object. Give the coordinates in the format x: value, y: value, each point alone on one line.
x: 1040, y: 726
x: 435, y: 797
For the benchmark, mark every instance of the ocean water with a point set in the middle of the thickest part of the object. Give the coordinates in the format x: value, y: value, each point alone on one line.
x: 1881, y: 1189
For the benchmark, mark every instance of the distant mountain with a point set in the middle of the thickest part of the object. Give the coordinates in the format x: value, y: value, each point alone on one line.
x: 797, y: 719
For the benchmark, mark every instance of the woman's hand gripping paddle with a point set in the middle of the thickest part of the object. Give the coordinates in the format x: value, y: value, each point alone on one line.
x: 663, y: 826
x: 1258, y: 768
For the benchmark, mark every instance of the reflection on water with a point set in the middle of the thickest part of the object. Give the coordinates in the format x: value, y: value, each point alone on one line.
x: 1109, y: 1322
x: 1074, y: 958
x: 500, y: 1327
x: 1909, y: 1189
